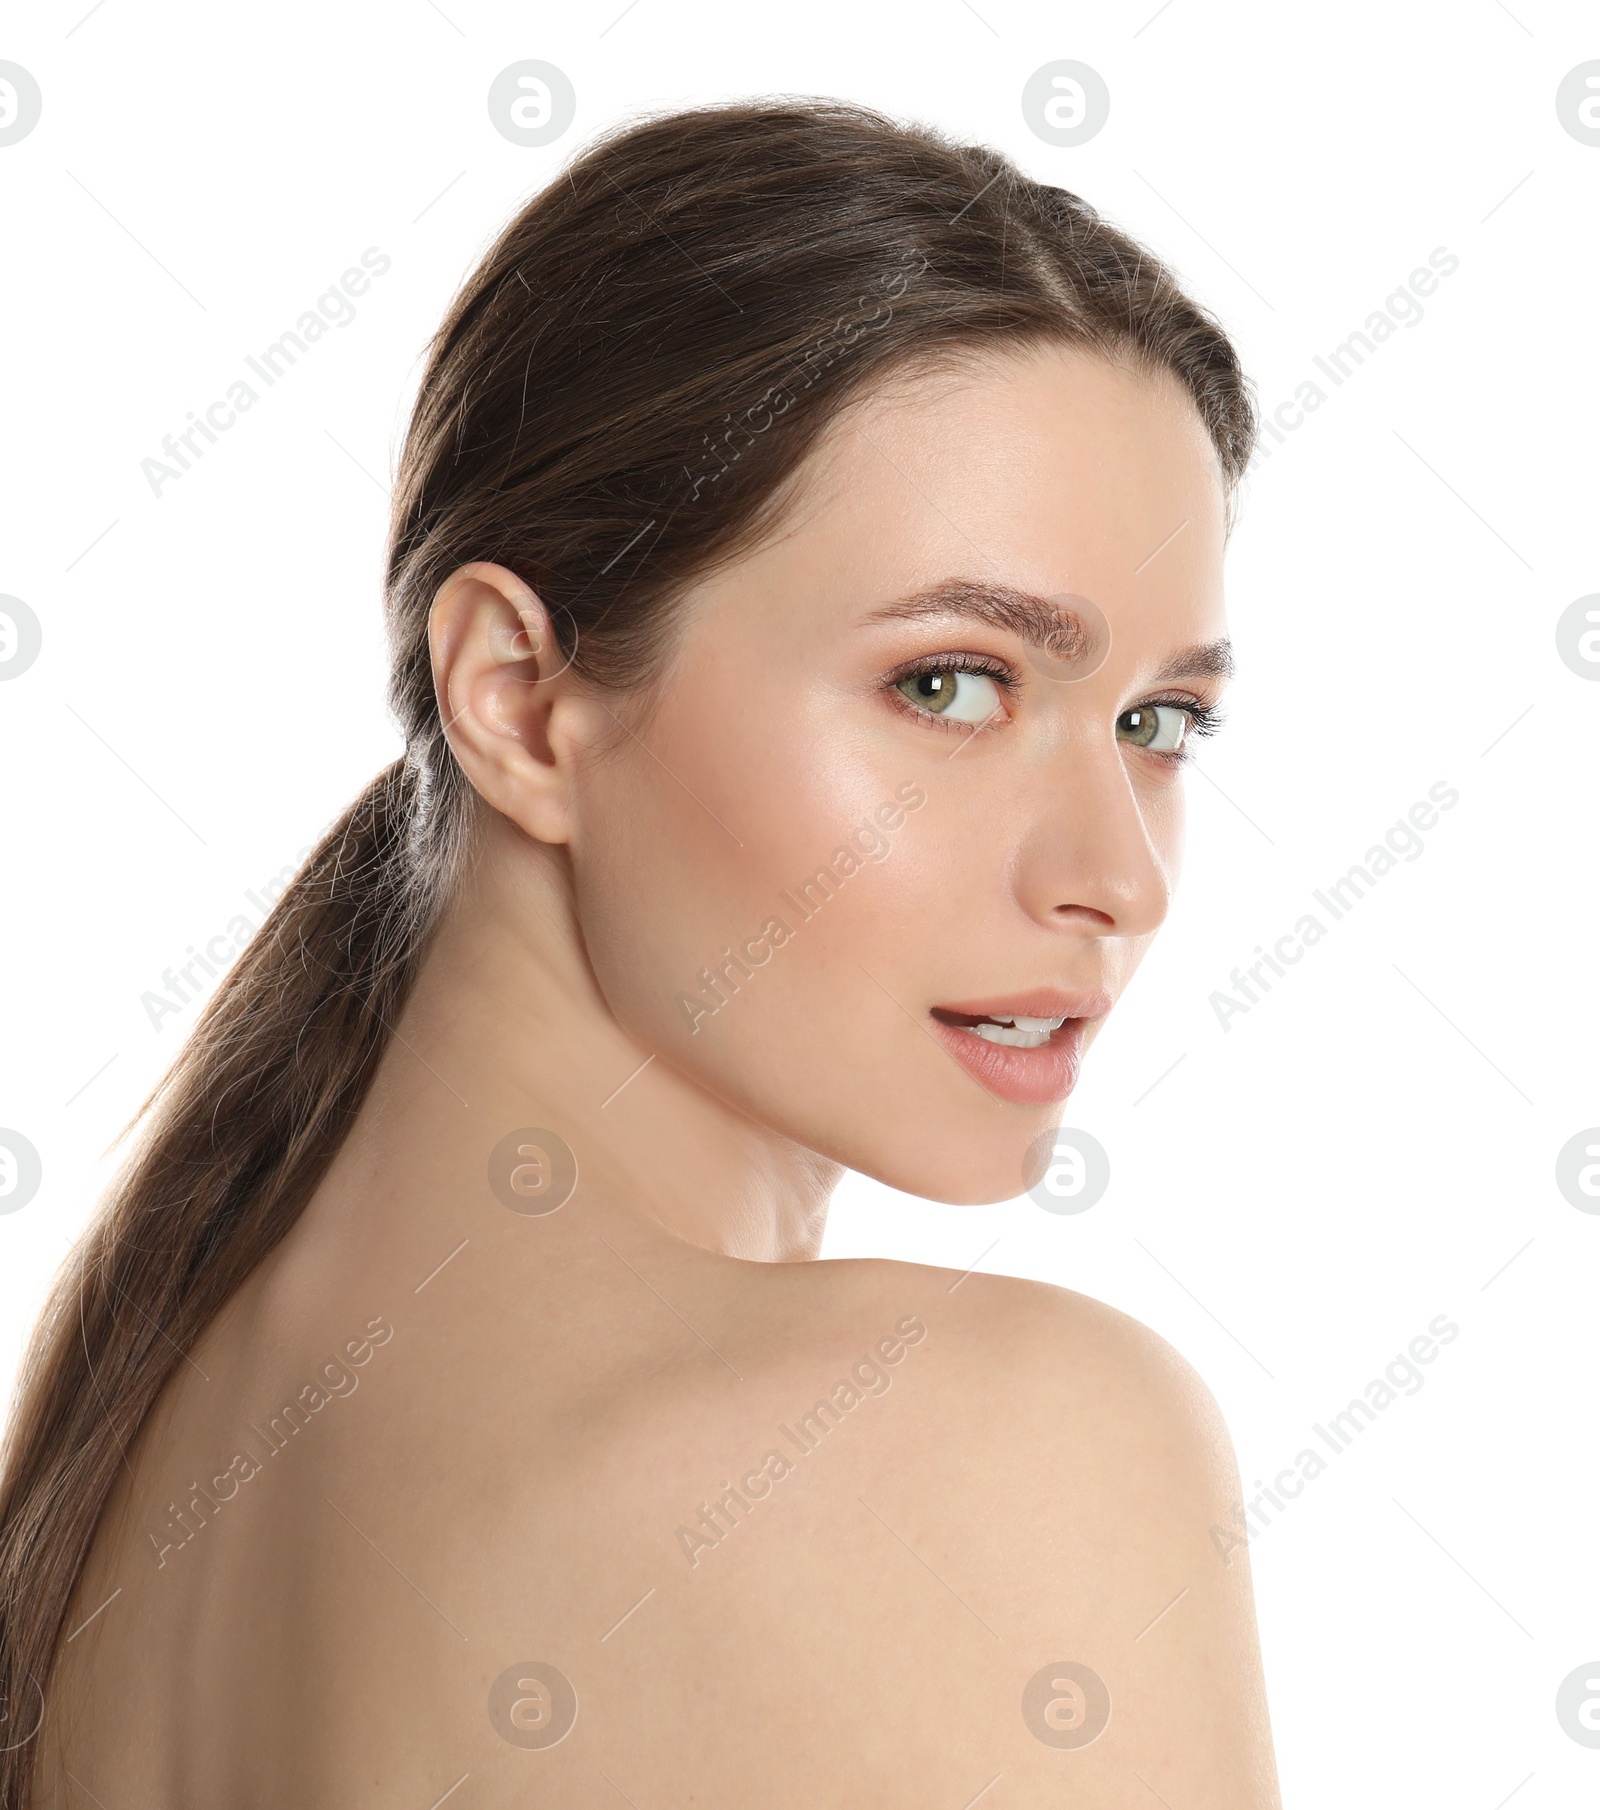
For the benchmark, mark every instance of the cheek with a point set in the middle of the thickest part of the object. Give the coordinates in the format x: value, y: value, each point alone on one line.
x: 1166, y: 824
x: 735, y: 880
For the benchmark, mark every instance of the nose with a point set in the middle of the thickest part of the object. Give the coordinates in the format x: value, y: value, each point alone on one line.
x: 1097, y: 854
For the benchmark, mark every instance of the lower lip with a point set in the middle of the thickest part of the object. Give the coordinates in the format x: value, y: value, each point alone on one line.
x: 1038, y: 1077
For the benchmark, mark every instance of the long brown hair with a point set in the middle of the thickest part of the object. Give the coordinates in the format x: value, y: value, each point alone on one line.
x: 612, y: 406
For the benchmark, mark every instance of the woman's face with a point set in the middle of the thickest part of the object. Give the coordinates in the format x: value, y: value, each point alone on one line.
x: 895, y: 789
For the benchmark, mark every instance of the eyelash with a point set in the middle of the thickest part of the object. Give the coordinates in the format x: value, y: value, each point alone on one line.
x: 1204, y: 719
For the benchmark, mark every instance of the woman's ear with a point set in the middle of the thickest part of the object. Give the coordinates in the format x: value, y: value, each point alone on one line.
x: 506, y: 698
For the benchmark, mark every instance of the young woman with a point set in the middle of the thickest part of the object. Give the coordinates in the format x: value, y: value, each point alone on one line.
x: 805, y: 588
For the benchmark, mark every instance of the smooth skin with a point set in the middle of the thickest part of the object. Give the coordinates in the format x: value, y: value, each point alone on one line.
x: 519, y: 1471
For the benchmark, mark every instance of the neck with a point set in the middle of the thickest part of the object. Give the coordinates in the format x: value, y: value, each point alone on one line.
x: 506, y: 1027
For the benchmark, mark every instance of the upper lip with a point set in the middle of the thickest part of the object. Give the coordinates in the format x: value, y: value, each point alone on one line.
x: 1042, y: 1002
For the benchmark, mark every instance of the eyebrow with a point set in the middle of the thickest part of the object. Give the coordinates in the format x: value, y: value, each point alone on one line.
x: 1050, y: 626
x: 1204, y: 660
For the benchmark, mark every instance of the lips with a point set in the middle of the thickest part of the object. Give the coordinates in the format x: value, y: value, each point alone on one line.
x: 1026, y: 1047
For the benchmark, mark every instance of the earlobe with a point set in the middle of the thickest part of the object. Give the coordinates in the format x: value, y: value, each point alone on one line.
x: 498, y: 677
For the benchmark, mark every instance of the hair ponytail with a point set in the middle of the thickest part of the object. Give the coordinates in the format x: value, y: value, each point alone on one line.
x: 239, y: 1133
x: 613, y: 404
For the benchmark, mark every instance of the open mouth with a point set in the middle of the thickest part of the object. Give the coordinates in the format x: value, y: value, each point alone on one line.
x: 1026, y: 1048
x: 1015, y: 1030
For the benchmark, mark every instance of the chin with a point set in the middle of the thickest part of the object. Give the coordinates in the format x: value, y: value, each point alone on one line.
x: 978, y: 1168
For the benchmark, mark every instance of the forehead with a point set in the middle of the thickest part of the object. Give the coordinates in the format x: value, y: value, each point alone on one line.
x: 1048, y: 469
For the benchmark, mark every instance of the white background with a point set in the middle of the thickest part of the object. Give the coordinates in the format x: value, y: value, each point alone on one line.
x: 1368, y: 1147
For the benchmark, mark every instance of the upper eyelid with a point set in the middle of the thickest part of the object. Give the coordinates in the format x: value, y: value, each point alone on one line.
x: 948, y: 657
x: 1204, y: 714
x: 987, y: 666
x: 1182, y: 700
x: 1000, y: 666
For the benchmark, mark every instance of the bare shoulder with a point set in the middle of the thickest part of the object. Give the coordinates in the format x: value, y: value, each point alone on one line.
x: 1066, y: 1429
x: 1064, y: 1474
x: 1031, y: 1357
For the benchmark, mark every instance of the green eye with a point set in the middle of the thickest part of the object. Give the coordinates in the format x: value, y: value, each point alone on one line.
x: 1158, y: 727
x: 962, y: 697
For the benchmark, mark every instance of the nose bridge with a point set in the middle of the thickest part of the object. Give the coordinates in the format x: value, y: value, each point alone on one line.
x: 1089, y: 848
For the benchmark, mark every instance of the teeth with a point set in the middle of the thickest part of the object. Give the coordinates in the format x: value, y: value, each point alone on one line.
x: 1015, y: 1030
x: 1022, y: 1037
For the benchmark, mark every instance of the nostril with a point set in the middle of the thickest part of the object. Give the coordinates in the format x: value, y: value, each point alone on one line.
x: 1102, y: 920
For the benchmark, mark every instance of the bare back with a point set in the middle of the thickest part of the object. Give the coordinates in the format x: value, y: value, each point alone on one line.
x: 582, y: 1520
